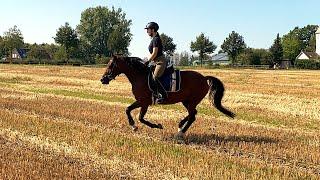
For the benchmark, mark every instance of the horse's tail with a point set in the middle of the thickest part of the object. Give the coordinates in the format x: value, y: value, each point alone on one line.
x: 216, y: 93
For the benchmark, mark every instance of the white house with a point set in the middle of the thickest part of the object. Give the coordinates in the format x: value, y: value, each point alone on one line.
x: 19, y: 53
x: 312, y: 55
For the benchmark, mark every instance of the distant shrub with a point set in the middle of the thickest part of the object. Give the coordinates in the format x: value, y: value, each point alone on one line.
x: 101, y: 59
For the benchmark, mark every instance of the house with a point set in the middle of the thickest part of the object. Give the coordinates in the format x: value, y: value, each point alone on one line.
x: 307, y: 55
x: 19, y: 53
x: 221, y: 58
x: 312, y: 55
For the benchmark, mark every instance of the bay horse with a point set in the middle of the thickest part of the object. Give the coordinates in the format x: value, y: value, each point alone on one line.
x: 194, y: 88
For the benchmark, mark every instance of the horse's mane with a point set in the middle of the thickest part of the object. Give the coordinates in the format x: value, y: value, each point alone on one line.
x: 136, y: 64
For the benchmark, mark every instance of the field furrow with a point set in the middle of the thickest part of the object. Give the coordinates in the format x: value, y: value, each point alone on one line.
x: 63, y: 122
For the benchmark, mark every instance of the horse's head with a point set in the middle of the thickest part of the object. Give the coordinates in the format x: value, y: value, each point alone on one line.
x: 112, y: 70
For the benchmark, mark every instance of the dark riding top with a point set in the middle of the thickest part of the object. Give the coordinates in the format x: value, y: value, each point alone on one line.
x: 156, y: 42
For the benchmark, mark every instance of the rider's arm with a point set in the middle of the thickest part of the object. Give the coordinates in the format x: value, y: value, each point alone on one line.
x: 154, y: 53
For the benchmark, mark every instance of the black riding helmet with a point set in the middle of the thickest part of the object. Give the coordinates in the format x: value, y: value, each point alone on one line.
x: 152, y: 25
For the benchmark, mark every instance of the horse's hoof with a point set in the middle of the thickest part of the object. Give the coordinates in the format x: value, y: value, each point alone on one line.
x: 179, y: 137
x: 160, y: 126
x: 134, y: 128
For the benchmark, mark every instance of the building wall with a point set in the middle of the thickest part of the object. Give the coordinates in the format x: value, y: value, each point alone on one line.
x: 303, y: 56
x: 318, y: 43
x: 15, y: 56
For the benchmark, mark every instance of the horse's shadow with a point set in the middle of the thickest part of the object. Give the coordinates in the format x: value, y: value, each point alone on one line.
x: 214, y: 139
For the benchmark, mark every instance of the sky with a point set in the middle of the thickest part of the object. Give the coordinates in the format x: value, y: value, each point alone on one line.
x: 258, y: 21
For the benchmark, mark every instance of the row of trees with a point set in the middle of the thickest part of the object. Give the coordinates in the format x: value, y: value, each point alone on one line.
x: 104, y: 31
x: 11, y: 39
x: 101, y: 32
x: 288, y: 47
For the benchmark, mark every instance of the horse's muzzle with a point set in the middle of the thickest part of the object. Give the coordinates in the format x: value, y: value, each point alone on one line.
x: 105, y: 80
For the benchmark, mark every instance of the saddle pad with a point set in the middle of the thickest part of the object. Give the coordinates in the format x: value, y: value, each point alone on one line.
x: 170, y: 82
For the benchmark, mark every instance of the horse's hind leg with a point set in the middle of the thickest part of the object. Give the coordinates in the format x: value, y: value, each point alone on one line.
x: 187, y: 122
x: 143, y: 112
x: 191, y: 119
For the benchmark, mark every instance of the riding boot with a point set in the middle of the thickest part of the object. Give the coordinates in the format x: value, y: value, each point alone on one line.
x: 161, y: 92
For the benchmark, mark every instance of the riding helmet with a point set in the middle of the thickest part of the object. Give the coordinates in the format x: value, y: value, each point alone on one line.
x: 152, y: 25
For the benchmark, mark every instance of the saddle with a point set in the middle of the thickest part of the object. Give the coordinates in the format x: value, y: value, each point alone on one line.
x: 170, y: 80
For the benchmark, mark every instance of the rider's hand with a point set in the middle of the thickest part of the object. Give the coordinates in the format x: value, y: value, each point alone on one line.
x: 146, y: 63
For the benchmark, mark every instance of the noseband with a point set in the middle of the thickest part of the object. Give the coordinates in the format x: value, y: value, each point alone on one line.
x: 110, y: 75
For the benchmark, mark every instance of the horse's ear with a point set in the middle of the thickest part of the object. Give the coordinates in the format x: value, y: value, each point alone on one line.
x: 114, y: 57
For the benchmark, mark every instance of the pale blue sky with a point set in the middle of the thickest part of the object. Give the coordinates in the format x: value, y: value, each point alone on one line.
x: 258, y: 21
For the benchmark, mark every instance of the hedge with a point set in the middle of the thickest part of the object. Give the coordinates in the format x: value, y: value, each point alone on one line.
x: 307, y: 63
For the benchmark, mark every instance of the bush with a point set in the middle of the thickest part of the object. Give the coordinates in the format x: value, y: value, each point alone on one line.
x: 307, y: 64
x: 102, y: 59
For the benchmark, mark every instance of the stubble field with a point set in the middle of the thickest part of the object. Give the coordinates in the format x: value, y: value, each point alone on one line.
x: 61, y: 122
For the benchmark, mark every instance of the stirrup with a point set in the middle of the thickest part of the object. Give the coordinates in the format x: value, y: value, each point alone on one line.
x: 157, y: 98
x: 160, y: 100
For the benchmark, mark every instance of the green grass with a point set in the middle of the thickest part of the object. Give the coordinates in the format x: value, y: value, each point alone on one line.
x: 14, y: 80
x: 81, y: 94
x: 242, y: 113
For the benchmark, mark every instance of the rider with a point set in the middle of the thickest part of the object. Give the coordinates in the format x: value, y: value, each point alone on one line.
x: 157, y: 56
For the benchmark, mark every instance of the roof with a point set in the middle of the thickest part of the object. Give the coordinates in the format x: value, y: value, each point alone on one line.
x: 311, y: 55
x: 220, y: 57
x: 318, y: 31
x: 22, y: 52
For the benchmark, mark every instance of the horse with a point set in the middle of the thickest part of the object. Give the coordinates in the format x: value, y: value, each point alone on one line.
x: 194, y: 87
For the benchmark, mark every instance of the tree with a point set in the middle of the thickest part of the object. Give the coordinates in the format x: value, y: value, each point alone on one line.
x: 277, y: 50
x: 233, y: 45
x: 184, y: 59
x: 51, y: 49
x: 38, y: 52
x: 265, y: 56
x: 297, y: 40
x: 305, y: 34
x: 61, y: 54
x: 2, y: 48
x: 105, y: 31
x: 86, y: 52
x: 13, y: 39
x: 312, y: 44
x: 251, y: 56
x: 203, y: 45
x: 168, y: 46
x: 248, y: 57
x: 68, y: 38
x: 291, y: 47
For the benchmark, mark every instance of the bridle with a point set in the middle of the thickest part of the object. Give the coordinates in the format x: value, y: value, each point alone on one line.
x: 111, y: 75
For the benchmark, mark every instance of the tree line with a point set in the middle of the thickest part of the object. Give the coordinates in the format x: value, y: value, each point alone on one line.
x: 287, y: 47
x: 103, y: 32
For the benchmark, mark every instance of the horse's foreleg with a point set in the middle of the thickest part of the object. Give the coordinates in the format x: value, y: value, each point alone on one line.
x: 141, y: 119
x: 183, y: 121
x: 128, y: 112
